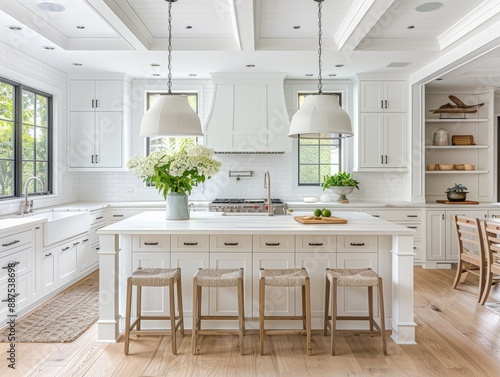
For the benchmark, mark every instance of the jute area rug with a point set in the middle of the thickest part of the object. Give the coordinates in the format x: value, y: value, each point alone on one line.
x: 62, y: 319
x: 493, y: 306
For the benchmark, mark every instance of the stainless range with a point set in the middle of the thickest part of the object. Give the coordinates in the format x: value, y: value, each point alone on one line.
x: 247, y: 205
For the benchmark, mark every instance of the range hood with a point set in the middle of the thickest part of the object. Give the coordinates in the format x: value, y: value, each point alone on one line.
x: 248, y: 114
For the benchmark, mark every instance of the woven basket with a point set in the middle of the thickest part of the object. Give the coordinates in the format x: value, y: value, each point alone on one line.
x: 462, y: 140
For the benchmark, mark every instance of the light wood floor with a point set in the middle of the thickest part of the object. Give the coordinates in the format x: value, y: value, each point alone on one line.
x: 455, y: 336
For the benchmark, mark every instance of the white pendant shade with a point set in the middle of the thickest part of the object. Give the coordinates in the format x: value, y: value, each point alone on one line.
x: 170, y: 115
x: 320, y: 116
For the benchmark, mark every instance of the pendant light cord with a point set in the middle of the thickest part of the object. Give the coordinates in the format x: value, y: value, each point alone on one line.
x: 169, y: 84
x: 320, y: 33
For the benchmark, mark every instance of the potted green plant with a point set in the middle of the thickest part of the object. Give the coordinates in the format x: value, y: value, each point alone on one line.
x: 457, y: 193
x: 341, y: 184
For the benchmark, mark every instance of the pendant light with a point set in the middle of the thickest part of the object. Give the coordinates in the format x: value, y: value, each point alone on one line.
x: 170, y: 114
x: 320, y: 116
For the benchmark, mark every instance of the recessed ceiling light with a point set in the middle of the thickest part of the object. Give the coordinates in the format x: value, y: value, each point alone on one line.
x: 309, y: 75
x: 410, y: 27
x: 50, y: 6
x: 81, y: 27
x: 429, y: 7
x: 156, y: 74
x: 193, y: 74
x: 332, y: 74
x: 297, y: 27
x: 77, y: 64
x: 250, y: 65
x: 48, y: 47
x: 189, y: 27
x: 15, y: 28
x: 339, y: 65
x: 154, y: 65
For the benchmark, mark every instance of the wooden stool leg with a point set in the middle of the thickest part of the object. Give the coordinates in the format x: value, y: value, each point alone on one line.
x: 262, y: 294
x: 173, y: 332
x: 139, y: 306
x: 308, y: 314
x: 127, y: 315
x: 370, y: 307
x: 195, y: 316
x: 327, y: 307
x: 241, y: 313
x: 333, y: 327
x: 382, y: 314
x: 304, y: 317
x: 179, y: 305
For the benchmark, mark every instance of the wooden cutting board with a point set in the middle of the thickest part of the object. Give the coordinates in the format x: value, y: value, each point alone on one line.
x: 462, y: 202
x: 322, y: 220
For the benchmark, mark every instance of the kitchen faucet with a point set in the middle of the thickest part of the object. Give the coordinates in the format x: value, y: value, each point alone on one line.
x: 28, y: 204
x: 267, y: 184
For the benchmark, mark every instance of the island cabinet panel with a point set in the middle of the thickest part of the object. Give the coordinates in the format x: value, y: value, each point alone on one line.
x: 224, y: 301
x: 274, y: 243
x: 231, y: 242
x: 279, y: 301
x: 318, y: 243
x: 357, y: 243
x: 353, y: 301
x: 151, y: 242
x: 189, y: 262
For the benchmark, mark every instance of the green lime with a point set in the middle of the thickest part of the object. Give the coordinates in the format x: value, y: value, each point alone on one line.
x: 326, y: 213
x: 317, y: 212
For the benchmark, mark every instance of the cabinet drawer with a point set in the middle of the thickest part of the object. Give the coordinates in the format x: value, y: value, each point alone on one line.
x: 116, y: 214
x: 97, y: 217
x: 316, y: 243
x: 231, y: 242
x: 151, y: 242
x: 418, y: 249
x: 412, y: 215
x: 416, y: 227
x: 276, y: 243
x: 15, y: 240
x: 190, y: 242
x: 357, y: 243
x: 23, y: 295
x: 22, y: 258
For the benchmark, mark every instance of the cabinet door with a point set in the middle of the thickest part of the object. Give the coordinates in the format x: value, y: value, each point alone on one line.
x: 395, y: 95
x: 81, y: 139
x: 224, y: 301
x: 68, y: 262
x: 24, y: 291
x: 83, y: 254
x: 371, y: 140
x: 394, y: 140
x: 189, y: 262
x: 353, y: 301
x: 49, y: 270
x: 451, y: 238
x: 371, y: 96
x: 81, y: 95
x: 279, y: 300
x: 315, y: 264
x: 436, y: 239
x: 108, y: 151
x: 108, y: 95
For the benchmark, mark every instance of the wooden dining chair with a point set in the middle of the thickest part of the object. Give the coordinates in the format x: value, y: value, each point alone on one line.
x: 491, y: 235
x: 471, y: 255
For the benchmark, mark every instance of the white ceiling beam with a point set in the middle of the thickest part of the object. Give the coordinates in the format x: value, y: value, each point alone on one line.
x: 195, y: 44
x: 359, y: 20
x: 398, y: 44
x: 243, y: 16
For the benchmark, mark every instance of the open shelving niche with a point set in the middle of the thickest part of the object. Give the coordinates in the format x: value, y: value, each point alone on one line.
x: 481, y: 126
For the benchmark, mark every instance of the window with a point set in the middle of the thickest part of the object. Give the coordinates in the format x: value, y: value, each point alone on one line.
x: 25, y: 139
x: 318, y: 157
x: 169, y: 143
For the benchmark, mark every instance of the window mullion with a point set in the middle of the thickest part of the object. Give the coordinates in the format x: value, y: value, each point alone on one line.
x: 18, y: 137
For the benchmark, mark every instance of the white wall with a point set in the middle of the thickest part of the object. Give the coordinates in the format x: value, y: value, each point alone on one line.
x: 22, y: 68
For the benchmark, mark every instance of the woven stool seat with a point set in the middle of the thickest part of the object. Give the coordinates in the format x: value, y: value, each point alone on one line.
x: 288, y: 277
x: 155, y: 277
x: 215, y: 277
x: 353, y: 277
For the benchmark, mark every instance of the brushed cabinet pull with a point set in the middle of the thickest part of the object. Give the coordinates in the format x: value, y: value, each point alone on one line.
x: 357, y: 244
x: 117, y: 215
x: 10, y: 265
x: 385, y: 104
x: 48, y: 255
x: 97, y: 248
x: 76, y: 243
x: 151, y: 243
x: 190, y: 243
x: 381, y: 104
x: 381, y: 159
x: 412, y: 227
x: 66, y: 248
x: 315, y: 244
x: 92, y: 103
x: 10, y: 297
x: 230, y: 243
x: 96, y: 161
x: 386, y: 159
x: 92, y: 158
x: 96, y: 105
x: 99, y: 218
x: 272, y: 243
x: 376, y: 215
x: 411, y: 215
x: 85, y: 240
x: 10, y: 243
x: 442, y: 216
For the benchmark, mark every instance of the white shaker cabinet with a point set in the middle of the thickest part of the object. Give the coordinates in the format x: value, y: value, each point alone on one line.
x: 95, y: 95
x: 49, y: 270
x: 383, y: 96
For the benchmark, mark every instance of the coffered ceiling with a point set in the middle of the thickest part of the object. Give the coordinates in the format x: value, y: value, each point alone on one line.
x: 366, y: 36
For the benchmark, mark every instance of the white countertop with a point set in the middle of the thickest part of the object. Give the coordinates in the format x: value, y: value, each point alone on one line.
x: 153, y: 222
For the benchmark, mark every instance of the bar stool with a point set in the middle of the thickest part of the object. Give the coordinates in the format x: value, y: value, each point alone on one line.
x: 154, y: 277
x: 211, y: 277
x: 353, y: 278
x: 290, y: 277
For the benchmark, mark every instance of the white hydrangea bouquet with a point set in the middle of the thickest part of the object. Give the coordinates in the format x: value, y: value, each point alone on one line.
x: 176, y: 171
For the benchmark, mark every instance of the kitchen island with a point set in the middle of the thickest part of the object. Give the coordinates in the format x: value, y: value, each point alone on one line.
x: 213, y: 240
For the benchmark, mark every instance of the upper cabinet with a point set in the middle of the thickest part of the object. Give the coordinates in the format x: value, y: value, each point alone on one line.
x: 464, y: 152
x: 382, y: 128
x: 248, y: 114
x: 97, y: 122
x: 383, y: 96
